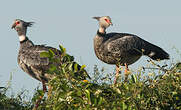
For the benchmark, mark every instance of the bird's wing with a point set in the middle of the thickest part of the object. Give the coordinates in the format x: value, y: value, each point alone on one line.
x: 133, y: 45
x: 31, y: 55
x: 124, y: 43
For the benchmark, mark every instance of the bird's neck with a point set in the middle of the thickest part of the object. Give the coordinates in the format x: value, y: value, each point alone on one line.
x: 22, y: 38
x: 102, y: 30
x: 98, y: 39
x: 25, y: 42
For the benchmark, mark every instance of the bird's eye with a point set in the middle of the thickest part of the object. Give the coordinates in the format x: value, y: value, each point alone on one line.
x: 106, y: 20
x: 17, y: 22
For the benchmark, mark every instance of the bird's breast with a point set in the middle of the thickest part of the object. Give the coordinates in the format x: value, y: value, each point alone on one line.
x: 101, y: 52
x: 114, y: 56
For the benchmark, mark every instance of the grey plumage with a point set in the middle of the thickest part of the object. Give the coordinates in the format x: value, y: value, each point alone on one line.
x: 114, y: 48
x: 29, y: 54
x: 30, y: 61
x: 121, y: 48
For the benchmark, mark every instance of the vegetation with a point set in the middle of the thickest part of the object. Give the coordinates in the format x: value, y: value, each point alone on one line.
x: 158, y: 88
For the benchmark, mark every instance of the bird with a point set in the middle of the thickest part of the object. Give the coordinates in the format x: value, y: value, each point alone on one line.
x: 122, y: 49
x: 29, y: 58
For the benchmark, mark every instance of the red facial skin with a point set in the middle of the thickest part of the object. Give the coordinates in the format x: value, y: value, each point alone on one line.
x: 108, y: 21
x: 17, y: 22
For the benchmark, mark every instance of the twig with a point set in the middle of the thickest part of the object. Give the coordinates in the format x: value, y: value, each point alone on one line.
x: 159, y: 67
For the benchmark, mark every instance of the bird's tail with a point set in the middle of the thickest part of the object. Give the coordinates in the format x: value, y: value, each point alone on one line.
x: 155, y: 52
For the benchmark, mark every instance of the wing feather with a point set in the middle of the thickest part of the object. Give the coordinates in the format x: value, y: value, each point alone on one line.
x: 31, y: 56
x: 121, y: 43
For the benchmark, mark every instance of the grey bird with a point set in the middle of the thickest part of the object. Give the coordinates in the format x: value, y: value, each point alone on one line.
x: 29, y: 54
x: 122, y: 49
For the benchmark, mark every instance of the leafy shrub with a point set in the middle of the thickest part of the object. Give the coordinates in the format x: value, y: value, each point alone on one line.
x: 154, y: 92
x: 71, y: 88
x: 13, y: 102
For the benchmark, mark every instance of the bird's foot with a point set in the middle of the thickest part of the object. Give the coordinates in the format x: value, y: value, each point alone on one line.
x: 45, y: 88
x: 117, y: 74
x: 126, y: 74
x: 37, y: 103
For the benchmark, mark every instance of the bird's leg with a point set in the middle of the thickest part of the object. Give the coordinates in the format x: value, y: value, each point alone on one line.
x: 37, y: 103
x: 49, y: 91
x: 40, y: 98
x: 44, y: 86
x: 126, y: 72
x: 117, y: 74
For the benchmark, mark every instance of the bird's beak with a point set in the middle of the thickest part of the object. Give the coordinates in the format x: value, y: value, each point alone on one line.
x: 13, y: 26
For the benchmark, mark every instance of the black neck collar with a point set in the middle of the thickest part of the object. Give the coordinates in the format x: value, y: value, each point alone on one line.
x: 26, y: 38
x: 101, y: 34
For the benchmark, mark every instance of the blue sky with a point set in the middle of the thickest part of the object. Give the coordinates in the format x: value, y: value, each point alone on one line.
x: 70, y: 23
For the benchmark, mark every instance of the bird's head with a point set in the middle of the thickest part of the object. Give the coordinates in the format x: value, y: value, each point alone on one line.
x: 104, y: 21
x: 21, y: 26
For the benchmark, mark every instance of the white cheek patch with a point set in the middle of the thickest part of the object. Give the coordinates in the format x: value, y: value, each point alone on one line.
x: 101, y: 30
x: 22, y: 38
x: 151, y: 54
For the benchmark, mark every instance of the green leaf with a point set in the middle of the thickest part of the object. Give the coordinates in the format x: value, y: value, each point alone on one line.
x: 44, y: 54
x: 70, y: 66
x: 125, y: 86
x: 37, y: 95
x: 114, y: 108
x: 82, y: 67
x: 52, y: 68
x: 178, y: 65
x: 71, y: 58
x: 75, y: 67
x: 62, y: 49
x: 118, y: 90
x: 79, y: 93
x: 134, y: 78
x: 174, y: 93
x: 51, y: 53
x: 67, y: 57
x: 63, y: 70
x: 123, y: 106
x: 40, y: 92
x: 88, y: 95
x: 100, y: 101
